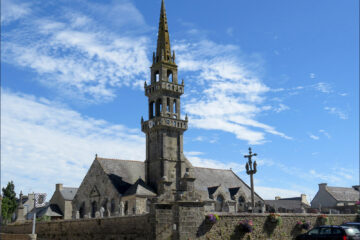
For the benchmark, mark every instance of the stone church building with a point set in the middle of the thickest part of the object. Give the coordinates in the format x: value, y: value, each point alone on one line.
x: 114, y: 187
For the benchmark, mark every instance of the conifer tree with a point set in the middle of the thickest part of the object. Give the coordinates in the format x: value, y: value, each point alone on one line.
x: 8, y: 205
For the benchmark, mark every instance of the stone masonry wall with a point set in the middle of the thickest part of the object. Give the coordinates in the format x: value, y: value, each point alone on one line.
x: 190, y: 224
x: 113, y: 228
x: 227, y: 226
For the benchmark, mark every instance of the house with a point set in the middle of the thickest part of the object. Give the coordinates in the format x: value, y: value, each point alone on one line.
x: 47, y: 212
x: 336, y: 199
x: 62, y: 198
x: 288, y: 205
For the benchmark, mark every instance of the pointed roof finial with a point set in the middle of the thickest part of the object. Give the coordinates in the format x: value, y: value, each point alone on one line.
x: 163, y: 42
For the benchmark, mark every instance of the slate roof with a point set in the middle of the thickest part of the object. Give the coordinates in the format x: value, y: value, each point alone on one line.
x: 208, y: 178
x: 51, y: 210
x: 124, y: 173
x: 285, y: 203
x: 139, y: 188
x: 343, y: 194
x: 68, y: 193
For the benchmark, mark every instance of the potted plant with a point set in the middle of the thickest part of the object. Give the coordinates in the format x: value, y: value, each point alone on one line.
x: 212, y: 218
x: 274, y: 218
x: 303, y: 224
x: 323, y: 219
x: 246, y: 226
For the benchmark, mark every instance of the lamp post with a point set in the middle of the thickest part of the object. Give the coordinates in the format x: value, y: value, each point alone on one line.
x: 251, y: 170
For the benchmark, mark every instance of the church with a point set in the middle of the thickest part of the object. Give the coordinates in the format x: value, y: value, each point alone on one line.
x: 114, y: 187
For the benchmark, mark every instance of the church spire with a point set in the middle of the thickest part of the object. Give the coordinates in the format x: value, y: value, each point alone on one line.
x: 163, y: 50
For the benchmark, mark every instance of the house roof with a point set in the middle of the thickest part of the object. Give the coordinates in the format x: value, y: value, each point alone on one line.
x: 343, y: 194
x: 294, y: 203
x: 124, y: 173
x: 68, y: 193
x: 51, y: 210
x: 139, y: 188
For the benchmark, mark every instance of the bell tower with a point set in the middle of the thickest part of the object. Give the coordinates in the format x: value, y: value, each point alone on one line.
x: 165, y: 163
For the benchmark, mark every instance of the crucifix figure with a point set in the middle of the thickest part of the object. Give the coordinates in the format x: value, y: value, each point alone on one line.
x: 251, y: 170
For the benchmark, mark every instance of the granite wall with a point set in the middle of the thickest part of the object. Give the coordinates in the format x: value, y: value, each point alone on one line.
x: 169, y: 222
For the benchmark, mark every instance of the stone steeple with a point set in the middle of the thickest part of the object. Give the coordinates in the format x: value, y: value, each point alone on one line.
x: 163, y: 50
x: 165, y: 164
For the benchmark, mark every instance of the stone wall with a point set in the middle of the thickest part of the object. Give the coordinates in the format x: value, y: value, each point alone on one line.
x: 6, y: 236
x: 180, y: 221
x: 227, y: 226
x: 114, y: 228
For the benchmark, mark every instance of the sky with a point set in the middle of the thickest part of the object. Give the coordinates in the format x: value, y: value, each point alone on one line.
x: 279, y: 76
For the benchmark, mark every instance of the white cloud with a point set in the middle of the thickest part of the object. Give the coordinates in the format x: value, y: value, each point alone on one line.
x: 74, y: 53
x: 282, y: 107
x: 333, y: 110
x: 12, y: 10
x: 325, y: 133
x: 312, y: 75
x: 323, y: 87
x: 197, y: 161
x: 230, y: 95
x: 314, y: 137
x: 44, y: 143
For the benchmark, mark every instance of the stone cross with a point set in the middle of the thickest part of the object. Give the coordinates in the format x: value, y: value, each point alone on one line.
x: 102, y: 210
x: 251, y: 170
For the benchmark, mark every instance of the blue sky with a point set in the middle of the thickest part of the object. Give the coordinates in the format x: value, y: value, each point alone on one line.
x: 280, y: 76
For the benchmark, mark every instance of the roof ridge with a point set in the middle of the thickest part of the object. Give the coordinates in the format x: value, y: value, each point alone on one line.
x: 101, y: 158
x: 214, y: 168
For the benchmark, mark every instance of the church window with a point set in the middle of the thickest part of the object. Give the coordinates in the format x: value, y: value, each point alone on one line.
x: 158, y: 107
x: 219, y: 203
x: 157, y: 76
x: 174, y: 107
x: 82, y: 210
x: 126, y: 208
x: 170, y: 76
x: 168, y: 104
x: 93, y: 209
x: 152, y: 109
x: 112, y: 208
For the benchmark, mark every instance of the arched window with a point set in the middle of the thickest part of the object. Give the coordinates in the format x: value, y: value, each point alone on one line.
x: 126, y: 208
x: 170, y: 76
x: 112, y: 208
x: 219, y: 203
x: 152, y: 109
x: 174, y: 106
x: 158, y: 107
x: 82, y: 210
x: 156, y: 76
x: 93, y: 209
x: 168, y: 104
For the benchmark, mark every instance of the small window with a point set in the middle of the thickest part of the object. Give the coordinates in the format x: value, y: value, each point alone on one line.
x: 126, y: 208
x: 168, y: 104
x: 170, y: 76
x: 157, y: 76
x: 174, y: 107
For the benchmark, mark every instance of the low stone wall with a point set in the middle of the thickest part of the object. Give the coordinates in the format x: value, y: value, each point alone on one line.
x: 113, y: 228
x: 227, y: 226
x: 162, y: 226
x: 8, y: 236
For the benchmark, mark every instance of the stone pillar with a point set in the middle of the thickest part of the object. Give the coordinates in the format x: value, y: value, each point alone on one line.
x: 77, y: 215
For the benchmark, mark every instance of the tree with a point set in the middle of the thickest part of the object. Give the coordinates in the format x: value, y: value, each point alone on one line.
x: 8, y: 205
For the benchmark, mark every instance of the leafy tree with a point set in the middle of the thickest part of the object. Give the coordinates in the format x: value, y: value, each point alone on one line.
x: 8, y: 205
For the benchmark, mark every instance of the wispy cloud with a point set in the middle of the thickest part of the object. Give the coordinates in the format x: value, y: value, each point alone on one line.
x: 323, y: 87
x: 338, y: 112
x: 325, y: 133
x: 13, y: 10
x: 74, y: 53
x: 229, y: 93
x: 44, y: 143
x: 314, y: 137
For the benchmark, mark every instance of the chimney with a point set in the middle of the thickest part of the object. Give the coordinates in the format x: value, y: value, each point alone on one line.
x: 322, y: 186
x: 356, y: 187
x: 277, y: 198
x: 59, y: 187
x: 303, y: 199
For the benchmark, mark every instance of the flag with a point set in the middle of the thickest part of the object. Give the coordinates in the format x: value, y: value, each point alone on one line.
x: 40, y: 199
